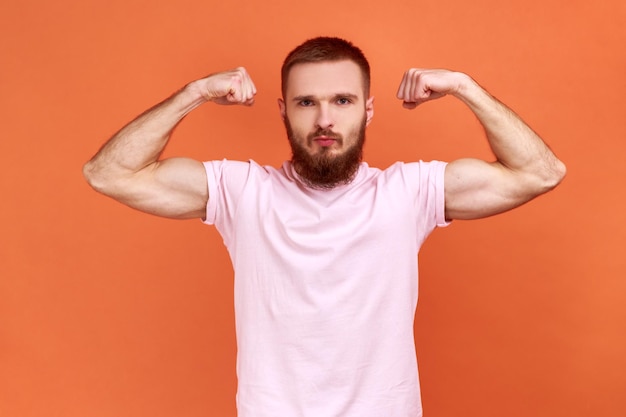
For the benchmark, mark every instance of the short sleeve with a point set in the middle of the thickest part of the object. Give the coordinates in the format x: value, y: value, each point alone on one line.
x: 427, y: 186
x: 226, y: 181
x: 436, y: 185
x: 213, y: 173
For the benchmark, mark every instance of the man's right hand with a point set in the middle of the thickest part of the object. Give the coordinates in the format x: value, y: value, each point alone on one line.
x: 229, y: 87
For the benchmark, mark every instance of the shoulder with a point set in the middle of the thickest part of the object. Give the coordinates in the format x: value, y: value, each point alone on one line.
x: 415, y: 171
x: 227, y: 167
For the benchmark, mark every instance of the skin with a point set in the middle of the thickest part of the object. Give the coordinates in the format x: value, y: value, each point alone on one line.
x: 328, y: 95
x: 128, y: 169
x: 326, y: 112
x: 525, y: 167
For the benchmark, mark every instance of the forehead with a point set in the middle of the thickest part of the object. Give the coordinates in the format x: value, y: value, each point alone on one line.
x: 325, y: 78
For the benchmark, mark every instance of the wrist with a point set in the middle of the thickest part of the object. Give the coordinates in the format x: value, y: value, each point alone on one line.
x: 194, y: 93
x: 465, y: 85
x: 468, y: 90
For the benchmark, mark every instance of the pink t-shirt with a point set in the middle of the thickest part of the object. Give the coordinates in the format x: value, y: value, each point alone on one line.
x: 325, y: 286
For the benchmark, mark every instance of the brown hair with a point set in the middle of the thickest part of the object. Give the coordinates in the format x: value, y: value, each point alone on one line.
x: 322, y: 49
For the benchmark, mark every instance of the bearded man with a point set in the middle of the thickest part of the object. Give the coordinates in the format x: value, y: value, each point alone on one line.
x: 324, y: 248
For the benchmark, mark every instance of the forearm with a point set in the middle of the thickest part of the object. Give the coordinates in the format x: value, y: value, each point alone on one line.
x: 524, y: 168
x: 516, y: 146
x: 140, y: 143
x: 128, y: 167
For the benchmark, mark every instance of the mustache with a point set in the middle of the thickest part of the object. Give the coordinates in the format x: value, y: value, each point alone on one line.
x: 325, y: 132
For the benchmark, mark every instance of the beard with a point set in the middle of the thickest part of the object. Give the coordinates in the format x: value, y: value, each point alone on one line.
x: 323, y: 169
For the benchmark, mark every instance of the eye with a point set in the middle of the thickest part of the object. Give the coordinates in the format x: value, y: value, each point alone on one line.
x: 305, y: 103
x: 343, y: 100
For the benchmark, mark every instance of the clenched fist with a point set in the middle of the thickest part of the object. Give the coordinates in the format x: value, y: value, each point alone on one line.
x: 421, y: 85
x: 229, y: 87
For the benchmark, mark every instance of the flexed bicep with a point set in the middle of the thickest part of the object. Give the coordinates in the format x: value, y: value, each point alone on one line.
x: 128, y: 169
x: 475, y: 189
x: 174, y: 188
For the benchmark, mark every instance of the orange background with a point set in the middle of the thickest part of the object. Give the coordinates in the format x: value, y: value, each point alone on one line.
x: 105, y: 311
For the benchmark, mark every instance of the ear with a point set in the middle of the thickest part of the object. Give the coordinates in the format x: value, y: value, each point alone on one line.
x: 369, y: 110
x: 281, y: 107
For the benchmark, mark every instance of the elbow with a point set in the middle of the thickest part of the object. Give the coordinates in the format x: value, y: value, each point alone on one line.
x: 90, y: 174
x: 95, y: 177
x: 106, y: 180
x: 552, y: 176
x: 559, y: 170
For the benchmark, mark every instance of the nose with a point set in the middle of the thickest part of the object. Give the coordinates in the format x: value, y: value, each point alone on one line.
x: 324, y: 119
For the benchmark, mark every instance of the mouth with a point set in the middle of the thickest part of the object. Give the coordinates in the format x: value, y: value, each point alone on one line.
x: 324, y: 141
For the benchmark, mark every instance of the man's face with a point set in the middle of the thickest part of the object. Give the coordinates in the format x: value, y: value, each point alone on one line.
x: 325, y: 114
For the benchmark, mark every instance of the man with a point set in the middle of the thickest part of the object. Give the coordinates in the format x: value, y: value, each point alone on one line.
x: 325, y: 248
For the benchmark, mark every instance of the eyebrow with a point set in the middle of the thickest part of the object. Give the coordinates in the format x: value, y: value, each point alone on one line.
x: 335, y: 96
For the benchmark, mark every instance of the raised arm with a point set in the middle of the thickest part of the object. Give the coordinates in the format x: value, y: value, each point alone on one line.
x: 127, y: 168
x: 525, y: 167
